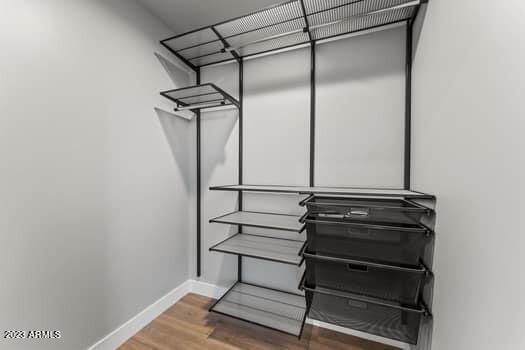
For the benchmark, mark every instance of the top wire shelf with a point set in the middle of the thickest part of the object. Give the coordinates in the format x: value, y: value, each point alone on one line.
x: 289, y: 24
x: 327, y: 191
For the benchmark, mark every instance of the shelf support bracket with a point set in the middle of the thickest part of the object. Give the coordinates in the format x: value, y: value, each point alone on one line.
x: 226, y: 44
x: 307, y: 28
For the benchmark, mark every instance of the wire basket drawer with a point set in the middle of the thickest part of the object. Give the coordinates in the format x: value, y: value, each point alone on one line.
x: 386, y: 282
x: 397, y: 244
x: 363, y: 314
x: 378, y: 209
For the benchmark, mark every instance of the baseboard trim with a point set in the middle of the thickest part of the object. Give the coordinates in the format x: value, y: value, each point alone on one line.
x: 119, y: 336
x: 207, y: 289
x: 363, y: 335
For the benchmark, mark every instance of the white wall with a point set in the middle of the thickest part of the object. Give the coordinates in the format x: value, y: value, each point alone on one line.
x: 468, y: 150
x: 93, y: 182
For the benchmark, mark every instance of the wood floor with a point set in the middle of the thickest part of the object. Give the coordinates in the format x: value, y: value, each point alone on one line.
x: 189, y: 325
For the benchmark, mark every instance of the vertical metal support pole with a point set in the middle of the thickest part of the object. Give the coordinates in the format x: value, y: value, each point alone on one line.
x: 198, y: 123
x: 408, y: 105
x: 240, y: 180
x: 312, y: 113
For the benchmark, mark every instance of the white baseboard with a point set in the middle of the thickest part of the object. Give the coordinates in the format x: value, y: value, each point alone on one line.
x: 207, y: 289
x: 376, y: 338
x: 116, y: 338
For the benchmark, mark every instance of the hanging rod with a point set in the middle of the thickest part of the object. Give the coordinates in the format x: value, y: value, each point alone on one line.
x: 322, y: 25
x: 201, y: 105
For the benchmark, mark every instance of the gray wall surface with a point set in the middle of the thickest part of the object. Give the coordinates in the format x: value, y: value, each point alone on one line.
x: 360, y: 100
x: 94, y: 184
x: 468, y: 150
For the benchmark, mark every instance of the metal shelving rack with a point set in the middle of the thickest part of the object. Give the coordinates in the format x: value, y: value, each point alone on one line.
x: 289, y: 24
x: 292, y: 24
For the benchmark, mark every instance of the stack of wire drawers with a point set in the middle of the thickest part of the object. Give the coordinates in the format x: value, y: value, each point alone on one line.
x: 364, y: 264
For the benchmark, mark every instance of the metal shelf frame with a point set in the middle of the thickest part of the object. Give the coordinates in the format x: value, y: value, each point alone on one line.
x: 291, y: 24
x: 372, y: 14
x: 327, y: 191
x: 286, y: 25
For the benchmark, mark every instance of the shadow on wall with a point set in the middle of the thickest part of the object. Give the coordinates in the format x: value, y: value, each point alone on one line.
x: 219, y: 165
x: 425, y: 335
x: 417, y: 27
x: 219, y: 268
x: 175, y: 73
x: 220, y: 125
x: 177, y: 134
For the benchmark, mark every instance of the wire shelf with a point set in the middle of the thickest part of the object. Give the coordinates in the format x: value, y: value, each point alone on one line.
x: 286, y: 25
x: 262, y: 220
x: 200, y: 97
x: 282, y: 311
x: 261, y: 247
x: 335, y: 191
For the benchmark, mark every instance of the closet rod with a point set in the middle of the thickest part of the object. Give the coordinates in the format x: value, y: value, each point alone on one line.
x: 202, y: 105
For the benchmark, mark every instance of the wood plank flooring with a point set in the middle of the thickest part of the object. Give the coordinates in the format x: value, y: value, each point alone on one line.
x: 189, y: 325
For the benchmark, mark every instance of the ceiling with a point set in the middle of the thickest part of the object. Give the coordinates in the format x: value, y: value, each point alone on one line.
x: 184, y: 15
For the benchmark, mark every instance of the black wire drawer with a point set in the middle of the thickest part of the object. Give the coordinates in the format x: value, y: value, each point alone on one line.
x: 390, y: 243
x: 377, y: 209
x: 388, y: 282
x: 386, y: 319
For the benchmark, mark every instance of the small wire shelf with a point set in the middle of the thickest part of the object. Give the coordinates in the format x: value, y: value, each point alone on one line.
x: 289, y: 24
x: 200, y: 97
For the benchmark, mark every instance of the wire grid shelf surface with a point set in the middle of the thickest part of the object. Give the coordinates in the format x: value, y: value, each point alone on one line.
x: 204, y: 94
x: 262, y: 220
x: 262, y: 247
x: 286, y: 25
x: 263, y: 306
x: 331, y: 191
